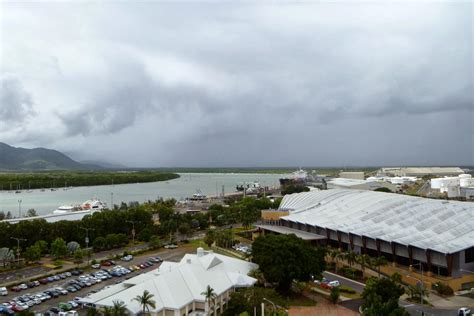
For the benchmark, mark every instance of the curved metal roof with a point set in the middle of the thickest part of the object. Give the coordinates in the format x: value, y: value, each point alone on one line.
x: 443, y: 226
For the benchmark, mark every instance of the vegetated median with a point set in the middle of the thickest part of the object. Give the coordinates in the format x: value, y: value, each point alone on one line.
x: 55, y: 179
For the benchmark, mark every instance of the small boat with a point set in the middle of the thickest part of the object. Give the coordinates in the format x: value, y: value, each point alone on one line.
x: 198, y: 196
x: 17, y: 191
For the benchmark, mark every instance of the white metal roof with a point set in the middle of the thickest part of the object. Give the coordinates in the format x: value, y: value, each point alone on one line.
x: 439, y: 225
x: 174, y: 285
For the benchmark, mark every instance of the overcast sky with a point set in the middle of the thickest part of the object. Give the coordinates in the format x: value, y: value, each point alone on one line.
x: 240, y: 84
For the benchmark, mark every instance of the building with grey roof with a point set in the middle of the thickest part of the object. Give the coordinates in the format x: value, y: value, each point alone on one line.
x: 407, y: 230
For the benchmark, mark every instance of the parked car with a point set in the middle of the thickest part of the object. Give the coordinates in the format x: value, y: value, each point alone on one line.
x: 171, y: 246
x: 155, y: 259
x: 54, y: 310
x: 334, y: 283
x: 23, y: 286
x: 464, y: 311
x: 95, y: 266
x: 6, y: 311
x: 3, y: 291
x: 127, y: 258
x: 64, y: 306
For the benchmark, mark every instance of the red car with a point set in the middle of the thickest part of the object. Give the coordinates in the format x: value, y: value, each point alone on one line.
x: 44, y: 281
x: 17, y: 308
x: 16, y: 289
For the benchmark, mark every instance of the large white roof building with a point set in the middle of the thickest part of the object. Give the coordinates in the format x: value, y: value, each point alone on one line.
x: 177, y: 286
x: 437, y: 232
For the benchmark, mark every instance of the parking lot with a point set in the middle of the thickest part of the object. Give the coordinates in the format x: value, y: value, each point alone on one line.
x: 41, y: 307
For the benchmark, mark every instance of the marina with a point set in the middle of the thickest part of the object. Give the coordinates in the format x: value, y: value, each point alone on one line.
x: 210, y: 184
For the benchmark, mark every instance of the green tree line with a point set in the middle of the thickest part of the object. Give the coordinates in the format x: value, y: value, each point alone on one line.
x: 39, y: 180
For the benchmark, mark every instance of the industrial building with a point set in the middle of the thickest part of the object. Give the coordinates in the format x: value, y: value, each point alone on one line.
x: 419, y: 171
x: 344, y: 183
x: 452, y: 185
x: 358, y: 175
x: 177, y: 287
x: 405, y: 229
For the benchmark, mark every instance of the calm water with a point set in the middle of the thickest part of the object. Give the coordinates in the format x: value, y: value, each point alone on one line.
x: 185, y: 186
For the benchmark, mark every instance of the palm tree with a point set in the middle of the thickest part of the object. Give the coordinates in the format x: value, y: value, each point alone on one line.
x: 145, y: 301
x: 119, y: 308
x: 210, y: 296
x: 378, y: 262
x: 350, y: 256
x: 335, y: 255
x: 363, y: 260
x: 106, y: 311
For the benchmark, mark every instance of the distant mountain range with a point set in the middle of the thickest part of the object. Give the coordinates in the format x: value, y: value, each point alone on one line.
x: 23, y: 159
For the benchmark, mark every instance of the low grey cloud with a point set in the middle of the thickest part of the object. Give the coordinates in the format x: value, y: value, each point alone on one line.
x: 16, y: 104
x: 247, y: 84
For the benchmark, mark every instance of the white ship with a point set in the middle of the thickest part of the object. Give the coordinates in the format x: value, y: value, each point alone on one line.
x: 88, y: 205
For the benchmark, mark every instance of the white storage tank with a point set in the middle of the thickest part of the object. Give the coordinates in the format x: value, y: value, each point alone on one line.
x: 465, y: 180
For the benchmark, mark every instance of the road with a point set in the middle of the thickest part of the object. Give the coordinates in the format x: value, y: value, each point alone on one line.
x: 413, y: 309
x: 165, y: 254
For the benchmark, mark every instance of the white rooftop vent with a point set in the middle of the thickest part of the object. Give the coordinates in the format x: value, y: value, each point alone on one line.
x: 188, y: 260
x: 200, y: 252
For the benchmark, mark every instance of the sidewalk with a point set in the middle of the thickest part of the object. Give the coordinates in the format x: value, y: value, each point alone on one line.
x: 452, y: 302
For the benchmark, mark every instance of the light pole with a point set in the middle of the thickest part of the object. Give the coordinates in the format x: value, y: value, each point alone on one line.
x: 275, y: 306
x: 422, y: 286
x: 87, y: 242
x: 19, y: 208
x: 111, y: 200
x: 18, y: 248
x: 133, y: 230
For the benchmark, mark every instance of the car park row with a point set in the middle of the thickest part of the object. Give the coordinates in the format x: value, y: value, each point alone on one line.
x: 27, y: 301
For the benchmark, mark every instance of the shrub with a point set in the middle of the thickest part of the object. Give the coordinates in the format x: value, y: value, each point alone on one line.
x: 346, y: 289
x: 334, y: 296
x: 442, y: 289
x: 351, y: 273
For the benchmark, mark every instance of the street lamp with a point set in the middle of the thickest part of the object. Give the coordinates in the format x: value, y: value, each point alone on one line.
x: 275, y: 306
x: 421, y: 281
x: 87, y: 242
x: 18, y: 247
x: 19, y: 208
x: 133, y: 230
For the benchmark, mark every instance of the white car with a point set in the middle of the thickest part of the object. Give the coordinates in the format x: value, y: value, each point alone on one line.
x: 464, y: 311
x: 3, y: 291
x: 334, y: 283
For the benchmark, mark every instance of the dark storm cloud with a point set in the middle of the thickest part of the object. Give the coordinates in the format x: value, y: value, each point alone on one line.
x: 245, y: 84
x: 16, y: 104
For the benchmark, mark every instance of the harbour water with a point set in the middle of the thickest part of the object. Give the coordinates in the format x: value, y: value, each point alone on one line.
x: 185, y: 186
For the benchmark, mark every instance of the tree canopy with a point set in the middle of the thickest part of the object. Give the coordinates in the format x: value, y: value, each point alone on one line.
x: 381, y: 296
x: 284, y: 258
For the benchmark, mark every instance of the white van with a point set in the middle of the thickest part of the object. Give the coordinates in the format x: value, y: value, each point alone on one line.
x: 3, y: 291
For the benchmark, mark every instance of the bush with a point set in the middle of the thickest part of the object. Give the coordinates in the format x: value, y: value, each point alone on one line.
x: 346, y: 289
x: 442, y: 289
x: 334, y: 296
x: 351, y: 273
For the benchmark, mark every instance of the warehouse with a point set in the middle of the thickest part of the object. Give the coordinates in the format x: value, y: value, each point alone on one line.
x: 420, y: 171
x: 407, y: 230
